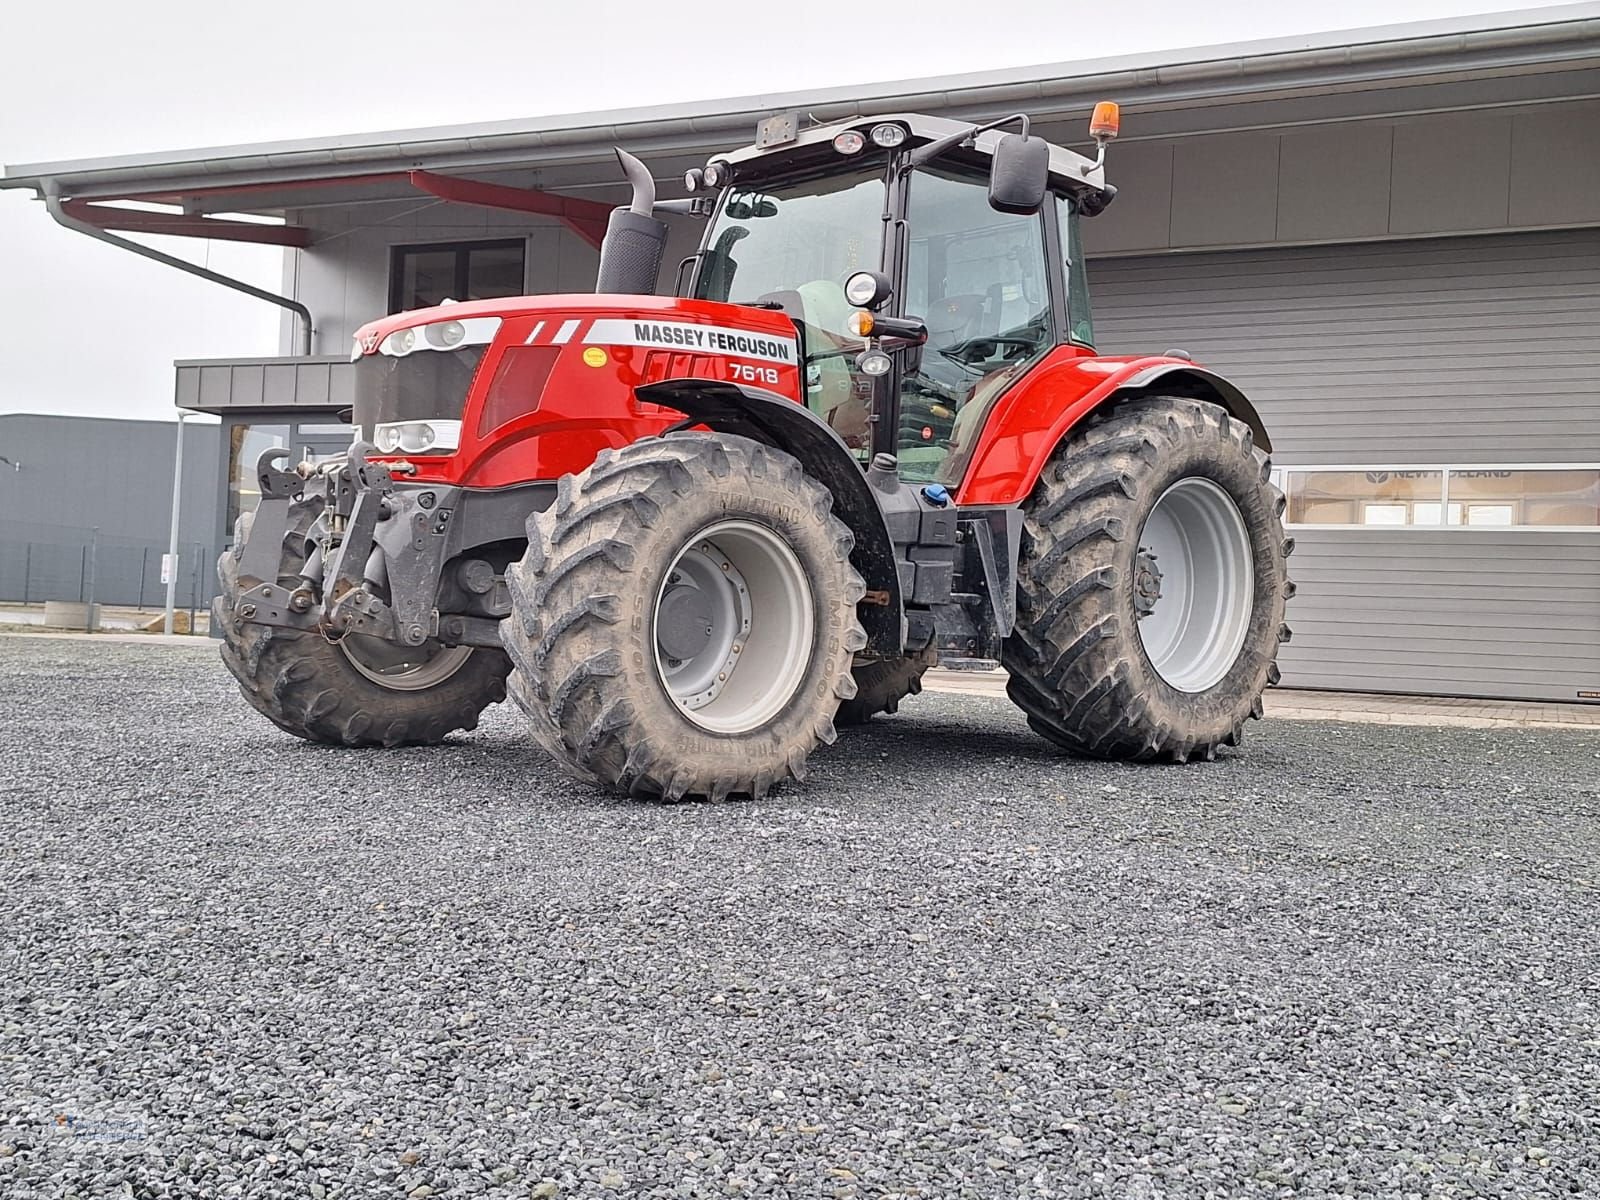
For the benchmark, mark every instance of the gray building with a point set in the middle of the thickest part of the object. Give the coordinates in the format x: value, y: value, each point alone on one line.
x: 1390, y: 239
x: 86, y: 504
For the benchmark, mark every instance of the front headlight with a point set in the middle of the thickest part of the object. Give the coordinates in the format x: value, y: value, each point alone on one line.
x: 399, y: 343
x: 417, y: 437
x: 445, y: 334
x: 440, y: 335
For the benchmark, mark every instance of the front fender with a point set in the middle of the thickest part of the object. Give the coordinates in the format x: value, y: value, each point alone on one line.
x: 778, y: 421
x: 1033, y: 417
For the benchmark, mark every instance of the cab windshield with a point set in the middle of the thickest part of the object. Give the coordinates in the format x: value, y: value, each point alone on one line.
x: 771, y: 240
x: 792, y: 245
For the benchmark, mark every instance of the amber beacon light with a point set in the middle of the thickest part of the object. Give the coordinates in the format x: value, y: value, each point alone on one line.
x: 1105, y: 122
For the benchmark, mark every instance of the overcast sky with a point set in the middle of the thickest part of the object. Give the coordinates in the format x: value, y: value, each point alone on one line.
x: 89, y: 329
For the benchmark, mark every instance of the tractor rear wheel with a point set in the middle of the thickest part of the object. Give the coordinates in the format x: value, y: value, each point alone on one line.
x: 361, y: 691
x: 684, y: 620
x: 1151, y: 587
x: 880, y: 686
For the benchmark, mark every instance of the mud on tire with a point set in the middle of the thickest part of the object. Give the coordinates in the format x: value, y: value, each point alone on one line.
x: 584, y: 635
x: 880, y: 686
x: 1078, y: 664
x: 308, y: 686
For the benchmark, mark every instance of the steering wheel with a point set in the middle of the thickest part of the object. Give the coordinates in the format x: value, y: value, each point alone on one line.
x: 966, y: 352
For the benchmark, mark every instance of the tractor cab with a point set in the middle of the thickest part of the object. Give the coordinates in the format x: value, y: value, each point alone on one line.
x: 926, y: 266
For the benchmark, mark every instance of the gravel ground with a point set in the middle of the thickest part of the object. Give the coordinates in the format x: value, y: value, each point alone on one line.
x: 1348, y: 960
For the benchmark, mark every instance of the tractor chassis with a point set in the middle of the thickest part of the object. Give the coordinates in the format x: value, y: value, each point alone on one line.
x: 352, y: 546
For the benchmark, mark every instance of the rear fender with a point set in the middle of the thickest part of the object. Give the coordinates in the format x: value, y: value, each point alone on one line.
x: 1041, y: 410
x: 1185, y: 379
x: 781, y: 422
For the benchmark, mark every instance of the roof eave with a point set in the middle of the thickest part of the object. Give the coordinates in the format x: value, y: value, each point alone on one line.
x: 1545, y: 38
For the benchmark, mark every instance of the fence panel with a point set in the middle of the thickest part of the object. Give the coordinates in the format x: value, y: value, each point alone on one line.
x: 123, y: 572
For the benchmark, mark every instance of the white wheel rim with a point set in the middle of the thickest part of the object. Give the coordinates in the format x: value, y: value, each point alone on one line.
x: 1201, y: 547
x: 733, y: 626
x: 403, y: 668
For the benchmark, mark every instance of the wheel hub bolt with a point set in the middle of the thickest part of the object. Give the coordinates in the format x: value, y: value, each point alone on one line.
x: 1146, y: 584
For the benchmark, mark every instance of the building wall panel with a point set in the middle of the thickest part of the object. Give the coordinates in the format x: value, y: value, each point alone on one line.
x: 1555, y: 168
x: 1225, y: 190
x: 1468, y: 349
x: 1463, y: 351
x: 52, y: 514
x: 1513, y: 615
x: 1451, y: 172
x: 1383, y: 176
x: 1334, y: 183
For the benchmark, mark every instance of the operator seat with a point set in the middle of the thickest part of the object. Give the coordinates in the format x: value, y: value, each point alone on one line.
x: 830, y: 385
x: 954, y: 319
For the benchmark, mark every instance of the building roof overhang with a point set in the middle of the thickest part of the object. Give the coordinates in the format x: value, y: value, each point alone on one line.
x: 1172, y: 93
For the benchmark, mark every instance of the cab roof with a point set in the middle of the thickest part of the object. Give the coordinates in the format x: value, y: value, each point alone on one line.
x: 1068, y: 169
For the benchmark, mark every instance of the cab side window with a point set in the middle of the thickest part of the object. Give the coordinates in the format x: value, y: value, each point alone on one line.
x: 1079, y: 318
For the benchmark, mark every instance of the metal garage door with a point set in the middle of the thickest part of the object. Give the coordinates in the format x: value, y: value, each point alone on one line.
x: 1437, y: 385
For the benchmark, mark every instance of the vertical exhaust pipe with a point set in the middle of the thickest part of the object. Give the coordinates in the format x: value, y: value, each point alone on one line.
x: 630, y: 255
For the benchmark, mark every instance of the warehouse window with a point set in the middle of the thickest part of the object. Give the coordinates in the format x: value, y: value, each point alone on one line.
x: 1499, y: 496
x: 1495, y: 497
x: 422, y: 276
x: 246, y: 444
x: 1363, y: 497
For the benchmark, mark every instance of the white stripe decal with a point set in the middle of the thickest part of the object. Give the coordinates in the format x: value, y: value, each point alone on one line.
x: 680, y: 335
x: 532, y: 337
x: 564, y: 334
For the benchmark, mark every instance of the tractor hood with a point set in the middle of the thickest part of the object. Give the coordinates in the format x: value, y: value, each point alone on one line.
x: 583, y: 319
x: 469, y: 392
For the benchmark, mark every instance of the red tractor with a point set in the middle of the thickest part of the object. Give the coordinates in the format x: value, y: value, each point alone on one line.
x: 693, y: 534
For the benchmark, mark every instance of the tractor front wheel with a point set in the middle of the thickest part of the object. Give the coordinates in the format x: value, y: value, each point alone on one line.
x: 1151, y: 587
x: 361, y: 691
x: 684, y: 620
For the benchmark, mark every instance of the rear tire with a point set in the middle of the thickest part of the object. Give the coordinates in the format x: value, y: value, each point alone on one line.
x: 323, y: 692
x: 880, y: 686
x: 1103, y: 661
x: 684, y: 619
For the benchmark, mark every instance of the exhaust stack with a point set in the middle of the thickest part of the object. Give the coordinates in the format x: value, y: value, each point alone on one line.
x: 630, y: 256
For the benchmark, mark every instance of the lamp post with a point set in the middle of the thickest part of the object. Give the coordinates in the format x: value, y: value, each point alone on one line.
x: 171, y: 564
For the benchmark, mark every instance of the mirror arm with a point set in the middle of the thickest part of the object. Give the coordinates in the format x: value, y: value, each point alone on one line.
x: 694, y: 206
x: 967, y: 136
x: 902, y: 329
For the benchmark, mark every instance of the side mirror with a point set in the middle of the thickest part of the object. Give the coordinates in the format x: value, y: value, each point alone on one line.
x: 1019, y: 174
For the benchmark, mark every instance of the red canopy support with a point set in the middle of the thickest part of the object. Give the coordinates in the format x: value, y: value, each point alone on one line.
x: 586, y: 218
x: 133, y: 220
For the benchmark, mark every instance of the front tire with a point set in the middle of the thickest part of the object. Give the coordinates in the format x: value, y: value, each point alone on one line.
x: 366, y: 693
x: 684, y: 620
x: 1151, y: 586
